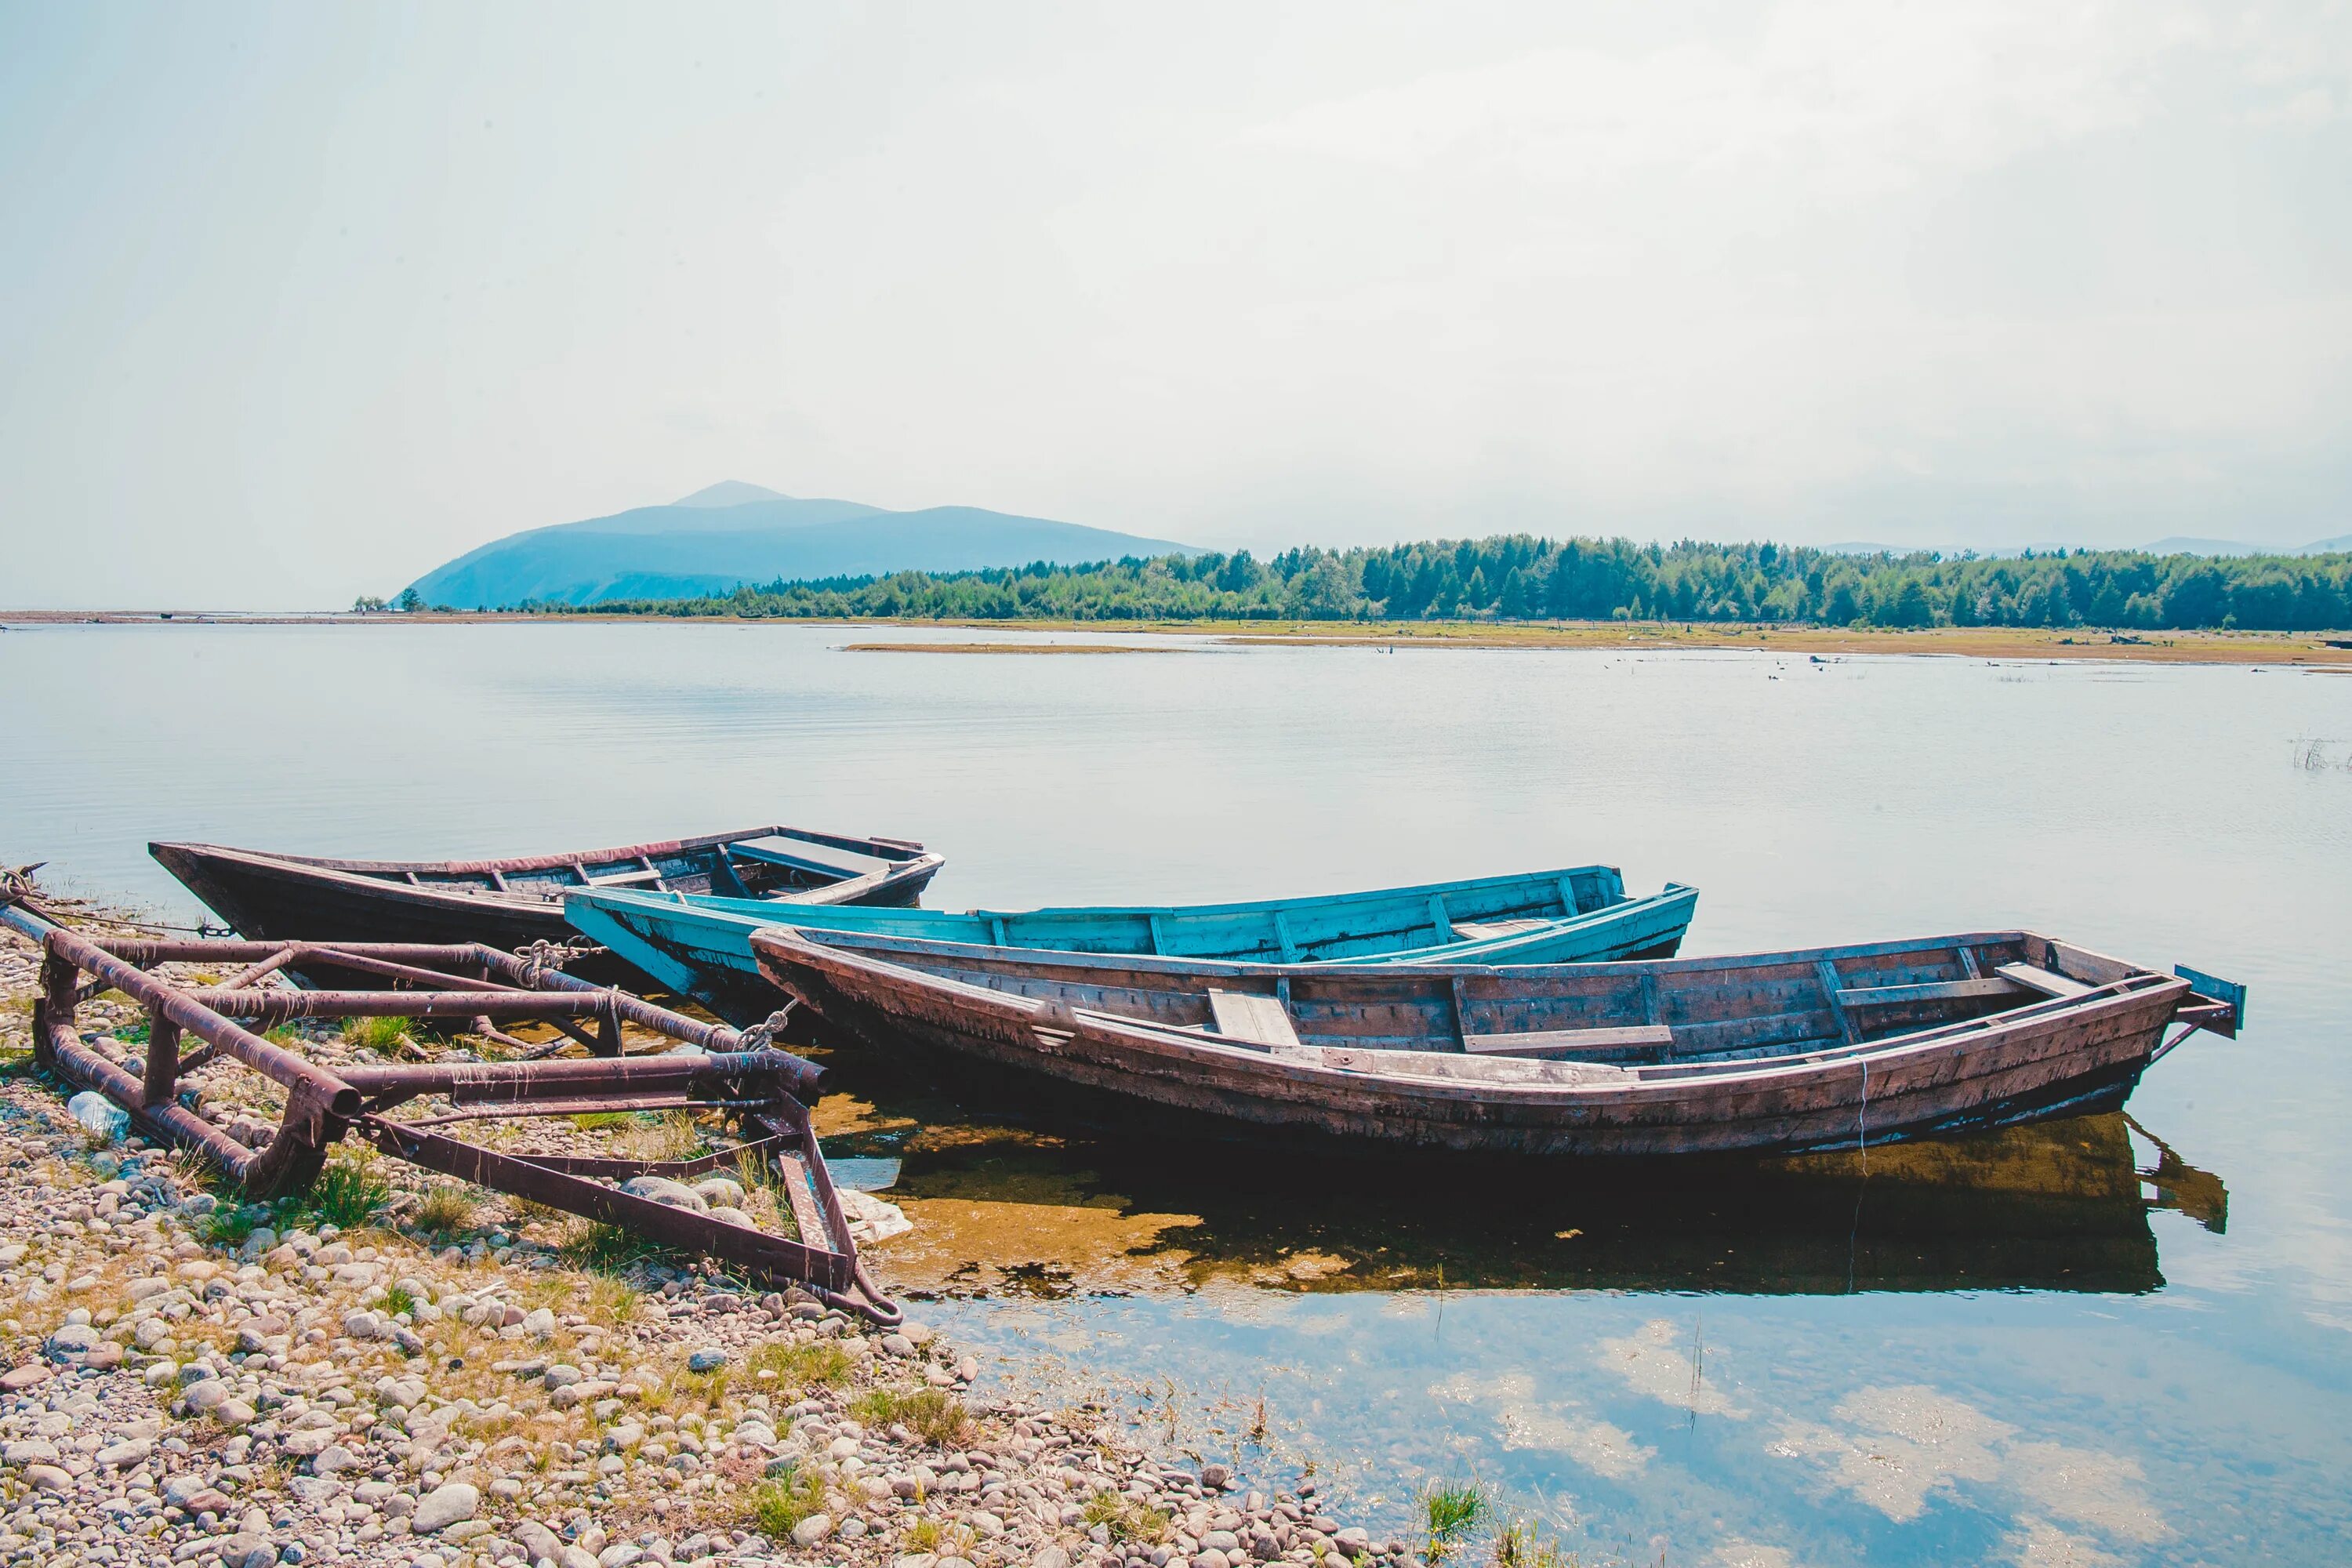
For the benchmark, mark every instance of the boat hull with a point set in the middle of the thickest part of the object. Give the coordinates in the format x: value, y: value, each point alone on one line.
x: 271, y: 898
x: 702, y: 948
x: 2033, y: 1063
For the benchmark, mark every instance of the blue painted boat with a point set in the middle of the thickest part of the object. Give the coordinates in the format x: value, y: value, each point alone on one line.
x: 702, y: 947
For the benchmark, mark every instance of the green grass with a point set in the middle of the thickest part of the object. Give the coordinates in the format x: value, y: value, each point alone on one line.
x: 592, y: 1121
x: 1454, y: 1509
x: 931, y: 1414
x: 801, y: 1366
x: 133, y: 1033
x: 227, y: 1225
x: 780, y: 1503
x: 446, y: 1211
x: 397, y: 1300
x: 1130, y: 1522
x: 348, y: 1192
x: 378, y: 1035
x: 1518, y: 1544
x: 607, y: 1249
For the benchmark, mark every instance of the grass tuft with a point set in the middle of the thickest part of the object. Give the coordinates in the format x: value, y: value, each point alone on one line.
x: 800, y: 1366
x: 1520, y: 1544
x: 378, y: 1035
x: 1133, y: 1524
x: 931, y: 1414
x: 780, y: 1503
x: 1454, y: 1509
x: 446, y: 1211
x: 608, y: 1249
x: 227, y: 1225
x: 610, y: 1300
x: 348, y: 1192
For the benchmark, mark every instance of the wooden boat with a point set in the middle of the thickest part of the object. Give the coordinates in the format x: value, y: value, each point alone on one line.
x: 1817, y: 1049
x: 702, y: 947
x: 511, y: 903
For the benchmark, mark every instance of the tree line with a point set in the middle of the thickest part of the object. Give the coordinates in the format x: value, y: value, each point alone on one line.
x: 1520, y: 577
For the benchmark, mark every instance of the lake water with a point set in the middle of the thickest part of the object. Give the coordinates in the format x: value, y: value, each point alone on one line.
x: 2105, y: 1342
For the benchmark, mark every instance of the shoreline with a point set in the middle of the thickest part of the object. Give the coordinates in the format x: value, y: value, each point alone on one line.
x: 192, y: 1380
x: 2305, y: 649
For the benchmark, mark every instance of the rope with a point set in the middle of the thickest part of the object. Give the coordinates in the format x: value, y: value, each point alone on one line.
x: 762, y: 1035
x: 1862, y: 1142
x: 1862, y: 1118
x: 542, y: 956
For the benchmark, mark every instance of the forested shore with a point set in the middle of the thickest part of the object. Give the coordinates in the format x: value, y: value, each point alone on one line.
x: 1519, y: 577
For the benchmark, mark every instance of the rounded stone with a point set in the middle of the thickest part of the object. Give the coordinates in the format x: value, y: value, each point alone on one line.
x: 445, y: 1505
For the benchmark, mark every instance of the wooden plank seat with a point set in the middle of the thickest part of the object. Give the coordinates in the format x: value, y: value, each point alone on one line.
x: 1486, y: 931
x: 1260, y: 1020
x: 625, y: 878
x: 1623, y: 1039
x: 2047, y: 981
x: 1929, y: 991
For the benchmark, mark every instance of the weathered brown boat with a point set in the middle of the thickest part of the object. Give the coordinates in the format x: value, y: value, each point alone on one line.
x: 513, y: 902
x: 1822, y: 1048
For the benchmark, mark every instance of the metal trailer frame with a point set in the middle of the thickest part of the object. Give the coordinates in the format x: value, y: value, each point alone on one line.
x: 738, y: 1074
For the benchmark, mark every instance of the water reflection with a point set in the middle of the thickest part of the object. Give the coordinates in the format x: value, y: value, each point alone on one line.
x: 1002, y: 1211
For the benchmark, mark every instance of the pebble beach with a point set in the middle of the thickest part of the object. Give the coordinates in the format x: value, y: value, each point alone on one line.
x: 452, y: 1380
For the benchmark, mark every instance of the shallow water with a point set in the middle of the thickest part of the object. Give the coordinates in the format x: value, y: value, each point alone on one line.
x: 2107, y: 1340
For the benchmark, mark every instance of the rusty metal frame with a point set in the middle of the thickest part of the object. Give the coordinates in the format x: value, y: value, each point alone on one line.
x: 739, y: 1075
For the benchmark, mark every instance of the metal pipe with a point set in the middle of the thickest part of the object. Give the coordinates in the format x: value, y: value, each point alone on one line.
x: 633, y: 1008
x: 162, y: 1077
x: 280, y: 1065
x: 358, y: 957
x: 151, y: 950
x: 248, y: 1004
x: 169, y: 1122
x: 464, y: 1081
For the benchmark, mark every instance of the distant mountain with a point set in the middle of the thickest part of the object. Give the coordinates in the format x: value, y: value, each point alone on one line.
x: 733, y: 532
x: 730, y: 492
x: 2181, y: 545
x: 2342, y: 541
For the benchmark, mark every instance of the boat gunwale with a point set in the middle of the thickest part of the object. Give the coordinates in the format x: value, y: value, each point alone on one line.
x: 1244, y: 907
x: 464, y: 896
x: 900, y: 851
x: 610, y: 901
x: 2134, y: 989
x: 1244, y: 969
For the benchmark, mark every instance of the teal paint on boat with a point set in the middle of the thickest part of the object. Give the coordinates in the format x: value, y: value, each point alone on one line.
x: 702, y: 947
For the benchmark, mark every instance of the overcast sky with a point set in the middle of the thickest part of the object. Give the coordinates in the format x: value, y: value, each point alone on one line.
x: 297, y: 301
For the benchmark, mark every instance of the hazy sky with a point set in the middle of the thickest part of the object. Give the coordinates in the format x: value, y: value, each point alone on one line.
x: 297, y: 301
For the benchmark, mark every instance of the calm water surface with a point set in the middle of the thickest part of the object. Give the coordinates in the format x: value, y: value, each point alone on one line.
x: 2111, y: 1341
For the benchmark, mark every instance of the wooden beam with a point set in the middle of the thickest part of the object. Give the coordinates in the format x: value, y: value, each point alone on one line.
x: 1932, y: 991
x: 1261, y: 1020
x: 1564, y: 1042
x: 1830, y: 993
x: 1282, y: 935
x: 2043, y: 979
